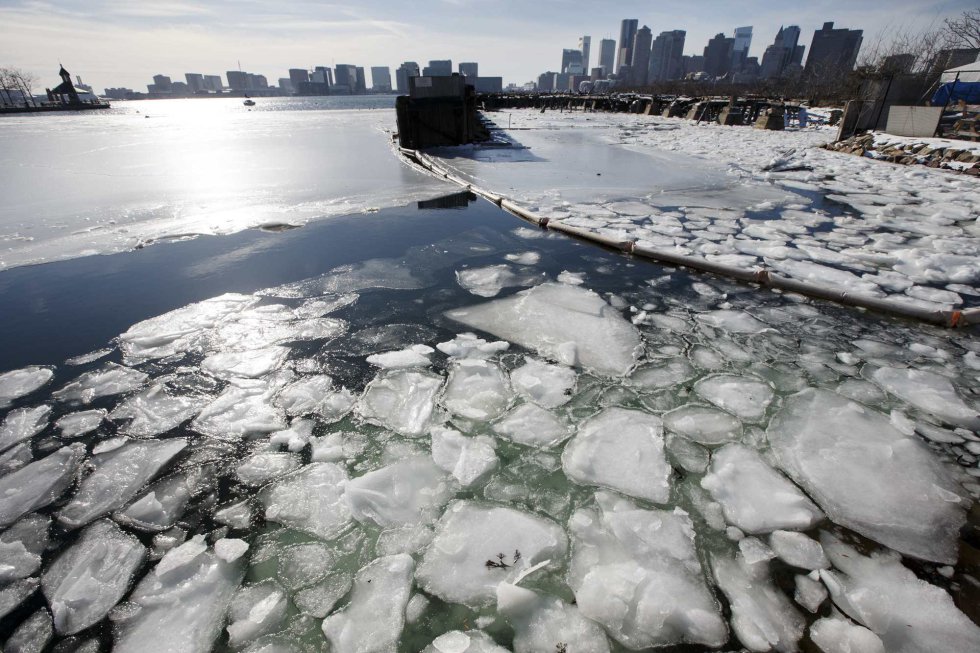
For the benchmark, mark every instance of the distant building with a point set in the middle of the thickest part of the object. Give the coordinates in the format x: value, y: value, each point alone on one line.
x: 640, y: 64
x: 119, y: 93
x: 597, y: 74
x: 627, y: 33
x: 438, y: 68
x: 740, y: 48
x: 546, y: 82
x: 897, y: 64
x: 237, y: 80
x: 381, y: 79
x: 360, y: 81
x: 718, y: 56
x: 286, y: 86
x: 469, y: 69
x: 953, y: 58
x: 833, y: 52
x: 297, y: 76
x: 692, y: 64
x: 162, y: 83
x: 585, y: 47
x: 607, y: 56
x: 486, y: 84
x: 404, y: 71
x: 571, y: 61
x: 326, y: 72
x: 783, y: 53
x: 195, y: 82
x: 345, y: 79
x: 213, y: 83
x: 667, y: 56
x: 256, y: 82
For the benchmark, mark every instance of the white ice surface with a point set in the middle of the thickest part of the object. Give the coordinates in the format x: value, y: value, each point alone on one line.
x: 410, y: 491
x: 39, y: 483
x: 489, y: 281
x: 930, y: 393
x: 834, y: 635
x: 477, y: 390
x: 458, y: 641
x: 402, y: 400
x: 532, y: 425
x: 22, y: 424
x: 77, y: 424
x: 547, y: 385
x: 109, y: 380
x: 155, y: 411
x: 745, y: 397
x: 311, y: 500
x: 542, y: 622
x: 19, y: 383
x: 315, y: 395
x: 468, y: 459
x: 703, y: 424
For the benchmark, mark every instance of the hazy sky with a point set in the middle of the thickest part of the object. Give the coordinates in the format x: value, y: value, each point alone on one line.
x: 126, y: 42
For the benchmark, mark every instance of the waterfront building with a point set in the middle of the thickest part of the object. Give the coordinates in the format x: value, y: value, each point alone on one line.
x: 345, y: 76
x: 360, y: 81
x: 692, y: 64
x: 718, y: 56
x: 585, y: 47
x: 298, y: 76
x: 627, y: 33
x: 195, y: 82
x: 740, y: 47
x: 469, y: 69
x: 162, y: 83
x: 403, y: 72
x: 237, y: 80
x: 640, y: 63
x: 833, y: 52
x: 546, y: 82
x: 213, y: 83
x: 667, y: 56
x: 381, y: 79
x: 607, y: 56
x: 438, y: 68
x: 286, y: 86
x: 571, y: 61
x: 784, y: 52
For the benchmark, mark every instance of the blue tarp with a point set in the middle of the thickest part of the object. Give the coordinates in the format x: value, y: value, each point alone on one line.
x: 952, y: 92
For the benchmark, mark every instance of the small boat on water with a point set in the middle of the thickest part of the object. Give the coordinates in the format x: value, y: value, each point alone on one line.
x: 249, y: 102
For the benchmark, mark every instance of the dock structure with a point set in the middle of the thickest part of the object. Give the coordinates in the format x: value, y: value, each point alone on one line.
x: 438, y: 111
x: 63, y: 97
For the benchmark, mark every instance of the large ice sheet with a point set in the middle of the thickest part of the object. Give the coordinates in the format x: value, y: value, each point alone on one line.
x: 19, y: 383
x: 402, y: 401
x: 374, y: 620
x: 182, y: 606
x: 89, y: 578
x: 908, y: 614
x: 155, y: 411
x: 39, y: 483
x: 543, y: 623
x: 623, y: 450
x: 470, y: 534
x: 930, y: 393
x: 310, y: 499
x: 754, y: 496
x: 410, y: 491
x: 637, y: 573
x: 245, y: 408
x: 109, y: 380
x: 565, y: 323
x: 119, y: 474
x: 868, y: 476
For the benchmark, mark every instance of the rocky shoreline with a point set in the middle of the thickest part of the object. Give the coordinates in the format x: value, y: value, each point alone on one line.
x: 965, y: 160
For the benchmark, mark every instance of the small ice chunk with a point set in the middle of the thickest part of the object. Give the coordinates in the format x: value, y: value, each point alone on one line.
x: 296, y: 437
x: 637, y: 573
x: 237, y: 515
x: 265, y: 466
x: 410, y: 491
x: 39, y: 483
x: 109, y: 380
x: 402, y: 401
x: 549, y: 386
x: 762, y: 617
x: 470, y: 535
x: 691, y: 457
x: 155, y: 411
x: 468, y: 459
x: 835, y: 635
x: 660, y: 376
x: 16, y: 561
x: 180, y: 611
x: 849, y: 458
x: 533, y: 426
x: 754, y: 550
x: 745, y: 397
x: 181, y: 556
x: 375, y: 617
x: 477, y: 389
x: 622, y: 450
x: 566, y: 323
x: 414, y: 356
x: 490, y: 280
x: 305, y: 564
x: 328, y: 448
x: 22, y: 424
x: 75, y: 425
x: 230, y: 549
x: 732, y: 321
x: 571, y: 278
x: 928, y: 392
x: 467, y: 345
x: 524, y: 258
x: 248, y: 364
x: 542, y: 623
x: 315, y: 395
x: 798, y: 550
x: 20, y: 383
x: 703, y: 424
x: 15, y: 593
x: 755, y: 497
x: 416, y: 608
x: 311, y: 500
x: 458, y: 641
x: 163, y: 503
x: 91, y: 577
x: 15, y: 457
x: 32, y: 636
x: 256, y: 610
x: 809, y: 593
x: 244, y: 409
x: 318, y: 599
x: 118, y: 476
x: 907, y: 613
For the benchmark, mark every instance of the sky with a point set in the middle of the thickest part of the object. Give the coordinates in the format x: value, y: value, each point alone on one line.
x: 112, y: 43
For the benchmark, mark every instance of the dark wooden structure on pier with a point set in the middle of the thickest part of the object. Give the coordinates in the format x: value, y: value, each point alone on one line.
x: 438, y: 111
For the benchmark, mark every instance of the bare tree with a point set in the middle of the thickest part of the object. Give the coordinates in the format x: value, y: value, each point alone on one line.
x: 965, y: 30
x: 14, y: 79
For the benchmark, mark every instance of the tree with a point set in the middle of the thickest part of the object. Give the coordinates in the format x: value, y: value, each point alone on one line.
x: 964, y: 31
x: 14, y: 79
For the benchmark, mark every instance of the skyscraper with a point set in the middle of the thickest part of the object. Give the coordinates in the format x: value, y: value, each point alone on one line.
x: 627, y: 32
x: 439, y: 68
x: 607, y: 55
x: 783, y: 52
x: 833, y: 52
x: 195, y: 82
x: 571, y: 61
x: 297, y: 76
x: 381, y: 79
x: 718, y: 56
x: 345, y: 78
x: 740, y: 48
x: 213, y: 83
x: 237, y: 80
x: 469, y: 70
x: 546, y: 82
x: 162, y: 82
x: 640, y: 63
x: 585, y: 46
x: 404, y: 71
x: 666, y: 56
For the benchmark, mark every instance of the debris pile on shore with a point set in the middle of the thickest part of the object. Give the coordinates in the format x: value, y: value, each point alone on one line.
x: 942, y: 154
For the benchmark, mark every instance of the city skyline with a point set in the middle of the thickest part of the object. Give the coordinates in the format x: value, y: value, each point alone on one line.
x: 136, y: 42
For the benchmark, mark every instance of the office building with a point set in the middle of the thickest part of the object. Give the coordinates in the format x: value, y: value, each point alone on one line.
x: 833, y: 52
x: 486, y: 84
x: 607, y: 56
x: 298, y: 76
x: 195, y: 82
x: 213, y: 83
x: 162, y: 83
x: 546, y: 82
x: 360, y: 80
x: 286, y: 86
x: 469, y: 69
x: 666, y: 56
x: 740, y: 47
x: 403, y: 72
x: 237, y: 80
x: 438, y: 68
x: 692, y: 64
x: 585, y: 47
x: 640, y: 63
x: 327, y: 74
x: 571, y: 61
x: 381, y: 79
x: 627, y: 32
x: 718, y: 56
x: 784, y: 52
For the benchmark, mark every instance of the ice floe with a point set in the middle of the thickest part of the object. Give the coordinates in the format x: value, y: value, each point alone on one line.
x: 20, y: 383
x: 543, y: 623
x: 109, y: 380
x: 468, y: 459
x: 745, y: 397
x: 489, y: 281
x: 547, y: 385
x: 532, y: 425
x: 39, y: 483
x: 401, y: 400
x: 477, y: 389
x: 22, y: 424
x: 407, y: 492
x: 155, y: 411
x: 310, y: 499
x: 74, y: 425
x: 703, y: 424
x: 928, y: 392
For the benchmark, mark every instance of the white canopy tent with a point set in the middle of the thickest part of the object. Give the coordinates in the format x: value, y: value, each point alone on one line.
x: 967, y: 73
